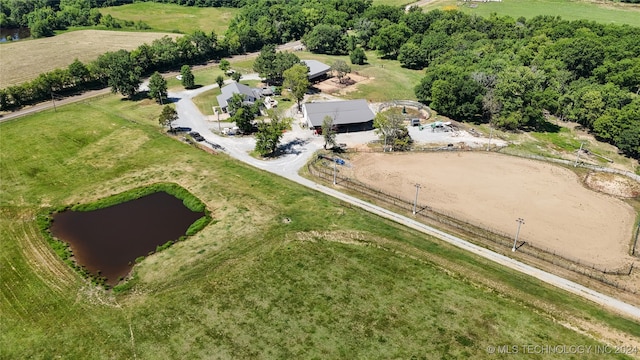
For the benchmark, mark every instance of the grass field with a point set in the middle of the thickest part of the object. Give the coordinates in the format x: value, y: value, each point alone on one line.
x: 25, y: 60
x: 387, y: 80
x: 609, y: 12
x: 172, y: 17
x: 334, y: 282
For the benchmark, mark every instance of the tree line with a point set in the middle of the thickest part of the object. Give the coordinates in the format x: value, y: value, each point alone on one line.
x: 121, y: 70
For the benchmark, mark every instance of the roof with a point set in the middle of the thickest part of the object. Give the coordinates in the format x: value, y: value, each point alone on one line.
x: 316, y: 68
x: 234, y: 88
x: 342, y: 112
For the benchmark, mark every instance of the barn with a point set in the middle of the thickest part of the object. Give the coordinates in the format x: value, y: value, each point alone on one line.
x: 351, y: 115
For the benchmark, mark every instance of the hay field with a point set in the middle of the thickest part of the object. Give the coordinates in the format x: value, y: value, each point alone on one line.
x: 25, y: 60
x: 493, y: 190
x: 173, y: 17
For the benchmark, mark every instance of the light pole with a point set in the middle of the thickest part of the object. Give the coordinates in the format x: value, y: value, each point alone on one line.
x: 578, y: 155
x: 415, y: 201
x: 520, y: 221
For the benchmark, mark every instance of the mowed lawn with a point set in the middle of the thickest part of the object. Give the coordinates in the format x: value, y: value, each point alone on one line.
x: 386, y: 79
x: 175, y: 18
x: 24, y: 60
x: 603, y: 12
x: 333, y: 282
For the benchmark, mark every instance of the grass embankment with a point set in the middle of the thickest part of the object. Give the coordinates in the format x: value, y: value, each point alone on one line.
x: 607, y: 12
x: 24, y: 60
x: 175, y: 18
x: 332, y: 282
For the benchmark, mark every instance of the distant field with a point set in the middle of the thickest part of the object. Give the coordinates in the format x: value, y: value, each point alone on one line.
x: 610, y: 13
x: 331, y: 282
x: 392, y: 2
x: 25, y: 60
x: 171, y: 17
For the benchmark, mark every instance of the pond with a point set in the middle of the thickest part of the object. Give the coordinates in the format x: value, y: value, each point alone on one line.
x: 107, y: 241
x: 14, y: 34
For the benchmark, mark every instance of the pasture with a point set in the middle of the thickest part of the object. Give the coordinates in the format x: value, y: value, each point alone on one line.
x: 607, y: 12
x: 173, y: 17
x: 492, y: 190
x: 24, y: 60
x: 332, y: 281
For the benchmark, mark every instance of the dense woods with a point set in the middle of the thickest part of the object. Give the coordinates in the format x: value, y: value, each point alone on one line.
x: 512, y: 73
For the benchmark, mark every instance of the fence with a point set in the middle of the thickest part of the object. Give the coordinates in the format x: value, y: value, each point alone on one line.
x: 494, y: 236
x: 415, y: 104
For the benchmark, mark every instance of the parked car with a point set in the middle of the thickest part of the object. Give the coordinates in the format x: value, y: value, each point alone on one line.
x: 196, y: 136
x: 178, y: 129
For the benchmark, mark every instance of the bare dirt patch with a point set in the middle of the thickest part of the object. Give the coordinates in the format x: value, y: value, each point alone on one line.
x: 348, y: 84
x: 613, y: 184
x: 24, y: 60
x: 493, y: 190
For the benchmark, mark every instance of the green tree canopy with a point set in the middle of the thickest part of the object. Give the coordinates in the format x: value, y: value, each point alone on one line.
x: 168, y: 116
x: 297, y: 81
x: 188, y: 80
x: 157, y: 87
x: 270, y: 133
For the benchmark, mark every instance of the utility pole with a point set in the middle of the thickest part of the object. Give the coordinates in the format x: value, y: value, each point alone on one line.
x: 520, y: 221
x: 490, y: 136
x: 53, y: 101
x: 415, y: 201
x: 335, y: 170
x: 578, y: 155
x: 215, y: 110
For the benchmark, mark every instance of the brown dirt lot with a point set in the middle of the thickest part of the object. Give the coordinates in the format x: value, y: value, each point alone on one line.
x: 493, y: 190
x: 25, y: 60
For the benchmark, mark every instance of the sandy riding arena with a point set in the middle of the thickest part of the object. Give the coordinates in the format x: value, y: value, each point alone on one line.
x: 493, y: 190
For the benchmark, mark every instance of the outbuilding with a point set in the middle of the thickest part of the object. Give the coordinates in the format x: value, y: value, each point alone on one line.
x: 351, y: 115
x: 317, y: 70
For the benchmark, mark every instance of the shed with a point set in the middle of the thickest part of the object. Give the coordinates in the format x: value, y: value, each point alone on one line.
x: 316, y: 69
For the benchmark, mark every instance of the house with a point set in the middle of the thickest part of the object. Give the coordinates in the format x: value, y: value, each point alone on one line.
x: 351, y: 115
x: 316, y: 69
x: 250, y: 95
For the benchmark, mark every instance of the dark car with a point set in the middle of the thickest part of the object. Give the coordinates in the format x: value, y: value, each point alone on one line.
x: 196, y: 136
x: 178, y: 129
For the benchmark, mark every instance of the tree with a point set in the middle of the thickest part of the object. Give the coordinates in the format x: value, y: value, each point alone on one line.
x: 168, y: 116
x: 389, y: 39
x: 328, y: 132
x: 391, y: 128
x: 188, y: 80
x: 357, y: 56
x: 270, y: 133
x: 220, y: 80
x: 412, y: 56
x: 236, y: 76
x: 340, y: 68
x: 122, y: 73
x: 157, y: 87
x: 265, y: 62
x: 242, y: 113
x: 78, y: 71
x: 326, y: 39
x: 225, y: 65
x: 297, y: 81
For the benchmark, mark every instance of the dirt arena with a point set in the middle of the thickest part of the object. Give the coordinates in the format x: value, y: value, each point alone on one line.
x: 493, y: 190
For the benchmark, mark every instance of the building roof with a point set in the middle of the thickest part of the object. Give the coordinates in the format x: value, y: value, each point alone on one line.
x: 234, y: 88
x: 316, y: 68
x: 342, y: 112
